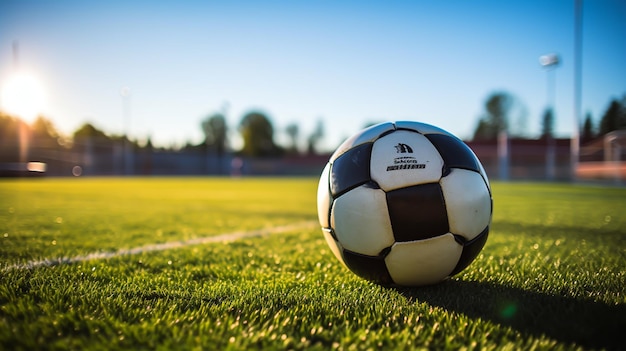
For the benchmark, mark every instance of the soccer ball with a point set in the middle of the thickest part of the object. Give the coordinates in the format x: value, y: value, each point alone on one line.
x: 404, y: 203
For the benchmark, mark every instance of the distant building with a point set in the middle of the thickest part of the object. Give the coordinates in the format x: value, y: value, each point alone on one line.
x: 604, y: 157
x: 528, y: 159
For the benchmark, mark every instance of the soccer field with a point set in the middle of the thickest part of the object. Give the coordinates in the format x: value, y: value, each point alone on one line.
x: 216, y: 263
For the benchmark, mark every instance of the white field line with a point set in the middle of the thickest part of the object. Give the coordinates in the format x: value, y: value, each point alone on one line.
x: 224, y: 238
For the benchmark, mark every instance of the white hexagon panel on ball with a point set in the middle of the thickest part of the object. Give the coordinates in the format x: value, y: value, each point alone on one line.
x: 467, y: 202
x: 423, y: 262
x: 361, y: 221
x: 404, y: 158
x: 323, y: 198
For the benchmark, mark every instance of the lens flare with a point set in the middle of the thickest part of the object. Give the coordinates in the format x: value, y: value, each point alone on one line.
x: 23, y: 96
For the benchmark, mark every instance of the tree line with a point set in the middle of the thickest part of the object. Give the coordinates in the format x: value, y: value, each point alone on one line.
x: 502, y: 112
x: 255, y: 128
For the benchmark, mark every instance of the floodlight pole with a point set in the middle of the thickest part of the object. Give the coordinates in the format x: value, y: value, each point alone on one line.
x: 613, y: 153
x: 128, y: 154
x: 23, y: 135
x: 16, y: 54
x: 578, y: 43
x: 550, y: 62
x: 503, y: 154
x: 221, y: 148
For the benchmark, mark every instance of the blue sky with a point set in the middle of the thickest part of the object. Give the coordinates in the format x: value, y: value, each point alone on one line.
x: 344, y: 62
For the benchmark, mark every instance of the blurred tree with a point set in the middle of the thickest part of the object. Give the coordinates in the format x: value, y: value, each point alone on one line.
x: 483, y: 131
x: 88, y: 138
x: 588, y: 132
x: 519, y: 119
x: 100, y: 152
x: 258, y: 135
x: 149, y: 145
x: 495, y: 119
x: 215, y: 132
x: 547, y: 124
x: 315, y: 137
x: 215, y: 138
x: 89, y: 130
x: 9, y: 138
x: 45, y: 141
x: 293, y: 131
x: 615, y: 116
x: 39, y: 141
x: 43, y: 133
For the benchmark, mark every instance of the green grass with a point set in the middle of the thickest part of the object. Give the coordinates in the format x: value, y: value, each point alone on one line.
x: 65, y: 217
x: 551, y: 276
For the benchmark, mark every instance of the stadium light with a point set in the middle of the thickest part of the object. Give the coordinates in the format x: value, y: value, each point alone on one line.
x: 550, y: 62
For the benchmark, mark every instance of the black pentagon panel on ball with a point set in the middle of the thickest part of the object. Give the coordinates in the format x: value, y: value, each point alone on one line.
x: 417, y: 212
x: 367, y: 135
x: 455, y: 153
x: 351, y: 169
x: 368, y: 267
x: 471, y: 249
x: 422, y: 128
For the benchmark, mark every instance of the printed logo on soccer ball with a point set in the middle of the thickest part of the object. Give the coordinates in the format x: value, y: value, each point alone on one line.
x: 404, y: 162
x: 404, y: 203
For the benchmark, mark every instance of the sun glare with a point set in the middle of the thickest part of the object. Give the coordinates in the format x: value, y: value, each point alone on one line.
x: 23, y: 96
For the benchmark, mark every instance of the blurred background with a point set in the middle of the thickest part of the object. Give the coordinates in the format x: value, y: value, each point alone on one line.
x: 536, y: 89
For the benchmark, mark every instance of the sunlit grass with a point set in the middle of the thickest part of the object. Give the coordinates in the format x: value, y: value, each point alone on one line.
x: 550, y: 277
x: 65, y: 217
